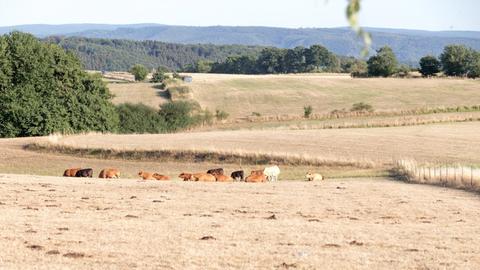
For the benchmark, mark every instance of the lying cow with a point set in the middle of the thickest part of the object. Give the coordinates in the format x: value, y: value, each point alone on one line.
x: 109, y: 173
x: 160, y: 177
x: 84, y: 173
x: 313, y: 176
x: 255, y: 177
x: 237, y: 175
x: 146, y: 175
x: 185, y: 176
x: 71, y: 172
x: 203, y: 177
x: 272, y: 173
x: 218, y: 171
x: 223, y: 178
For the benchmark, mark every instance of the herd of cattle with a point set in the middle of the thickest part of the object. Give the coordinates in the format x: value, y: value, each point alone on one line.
x: 213, y: 175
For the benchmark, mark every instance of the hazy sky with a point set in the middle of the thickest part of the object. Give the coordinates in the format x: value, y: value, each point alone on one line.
x: 412, y: 14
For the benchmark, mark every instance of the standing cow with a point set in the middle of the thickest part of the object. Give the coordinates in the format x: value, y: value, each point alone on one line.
x: 272, y: 173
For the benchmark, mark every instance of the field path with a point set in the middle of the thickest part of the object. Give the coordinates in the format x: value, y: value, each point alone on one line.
x: 53, y: 223
x: 455, y: 142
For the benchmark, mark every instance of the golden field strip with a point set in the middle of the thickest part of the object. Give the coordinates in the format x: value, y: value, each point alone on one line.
x: 56, y: 223
x: 453, y: 142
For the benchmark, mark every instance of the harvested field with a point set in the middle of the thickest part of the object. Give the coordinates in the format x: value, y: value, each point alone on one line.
x: 52, y: 223
x: 456, y: 142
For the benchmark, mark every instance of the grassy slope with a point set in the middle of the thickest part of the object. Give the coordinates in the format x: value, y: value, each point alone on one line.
x: 240, y: 95
x: 145, y: 93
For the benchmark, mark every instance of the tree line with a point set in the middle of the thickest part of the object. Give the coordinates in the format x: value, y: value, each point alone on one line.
x: 121, y: 55
x: 455, y: 60
x: 316, y: 58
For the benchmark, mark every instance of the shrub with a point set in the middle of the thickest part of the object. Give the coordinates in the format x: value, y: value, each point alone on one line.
x: 221, y: 115
x: 139, y: 118
x: 307, y: 111
x: 179, y: 92
x: 159, y: 76
x: 429, y: 66
x: 178, y: 115
x: 361, y: 107
x: 256, y: 114
x: 140, y: 72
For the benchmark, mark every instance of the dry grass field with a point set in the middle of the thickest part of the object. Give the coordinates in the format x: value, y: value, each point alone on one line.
x: 455, y: 142
x: 57, y: 223
x: 139, y: 92
x: 240, y: 95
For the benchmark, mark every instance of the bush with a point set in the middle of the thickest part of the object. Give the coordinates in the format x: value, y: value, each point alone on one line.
x: 221, y: 115
x: 307, y: 111
x: 178, y: 115
x: 361, y: 107
x: 256, y: 114
x: 140, y: 72
x: 159, y: 76
x: 429, y: 66
x: 179, y: 92
x: 44, y: 89
x: 139, y: 118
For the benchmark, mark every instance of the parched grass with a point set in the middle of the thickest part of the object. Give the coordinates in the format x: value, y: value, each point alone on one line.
x: 273, y: 95
x: 360, y: 121
x: 140, y: 92
x: 197, y: 156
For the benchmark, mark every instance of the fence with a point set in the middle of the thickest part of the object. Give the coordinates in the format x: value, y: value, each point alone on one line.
x: 463, y: 177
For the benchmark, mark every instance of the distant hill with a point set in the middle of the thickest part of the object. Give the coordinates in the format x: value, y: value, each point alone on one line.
x: 409, y: 45
x: 120, y: 55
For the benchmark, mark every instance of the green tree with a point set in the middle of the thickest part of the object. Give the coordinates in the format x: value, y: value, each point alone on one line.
x: 320, y: 58
x: 458, y: 60
x: 159, y: 75
x: 44, y: 89
x: 384, y: 63
x: 474, y: 65
x: 429, y: 65
x: 139, y: 71
x: 295, y: 60
x: 271, y: 61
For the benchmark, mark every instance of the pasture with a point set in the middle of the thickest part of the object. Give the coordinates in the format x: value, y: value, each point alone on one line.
x: 141, y: 92
x: 52, y: 222
x: 241, y: 95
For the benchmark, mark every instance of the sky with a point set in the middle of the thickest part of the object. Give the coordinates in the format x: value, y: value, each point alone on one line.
x: 432, y: 15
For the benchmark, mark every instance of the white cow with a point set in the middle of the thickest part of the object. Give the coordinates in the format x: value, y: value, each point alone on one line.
x: 313, y: 176
x: 272, y: 173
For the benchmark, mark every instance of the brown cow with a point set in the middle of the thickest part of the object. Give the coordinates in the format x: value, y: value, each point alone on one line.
x: 71, y: 172
x: 160, y: 177
x: 109, y: 173
x: 223, y: 178
x: 257, y: 172
x: 146, y: 175
x: 185, y: 176
x: 256, y: 178
x: 216, y: 171
x: 203, y: 177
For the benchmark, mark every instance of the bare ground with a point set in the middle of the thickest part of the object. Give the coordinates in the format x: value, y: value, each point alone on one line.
x: 52, y: 223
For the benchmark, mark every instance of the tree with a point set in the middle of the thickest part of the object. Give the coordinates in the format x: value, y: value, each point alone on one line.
x: 159, y: 76
x: 295, y: 60
x: 429, y: 65
x: 44, y: 89
x: 384, y: 63
x: 474, y: 65
x: 458, y: 60
x: 139, y: 71
x: 139, y: 118
x: 271, y: 61
x: 320, y: 58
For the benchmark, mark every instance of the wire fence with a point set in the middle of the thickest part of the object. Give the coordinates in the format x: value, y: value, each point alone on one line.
x: 463, y: 177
